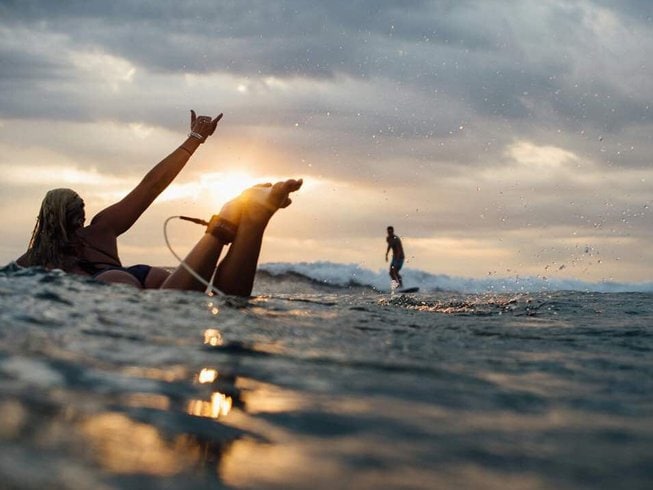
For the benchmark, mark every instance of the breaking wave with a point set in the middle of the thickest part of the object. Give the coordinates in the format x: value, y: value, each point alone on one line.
x: 330, y: 275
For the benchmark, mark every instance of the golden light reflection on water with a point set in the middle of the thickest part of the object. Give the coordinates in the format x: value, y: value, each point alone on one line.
x: 264, y: 397
x: 249, y: 464
x: 288, y: 461
x: 124, y: 446
x: 213, y: 308
x: 219, y: 406
x: 213, y: 337
x: 207, y: 375
x: 146, y: 400
x: 169, y: 374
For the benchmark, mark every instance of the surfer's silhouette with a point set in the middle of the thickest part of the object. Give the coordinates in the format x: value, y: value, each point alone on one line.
x: 394, y: 244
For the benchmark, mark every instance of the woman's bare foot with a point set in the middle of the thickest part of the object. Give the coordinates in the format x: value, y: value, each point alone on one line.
x: 262, y: 201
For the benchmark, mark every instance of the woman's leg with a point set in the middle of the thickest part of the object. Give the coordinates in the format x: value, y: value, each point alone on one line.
x: 202, y: 259
x: 204, y: 256
x: 235, y: 274
x: 156, y: 277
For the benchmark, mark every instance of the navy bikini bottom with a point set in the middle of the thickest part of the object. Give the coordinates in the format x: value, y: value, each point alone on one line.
x: 139, y: 271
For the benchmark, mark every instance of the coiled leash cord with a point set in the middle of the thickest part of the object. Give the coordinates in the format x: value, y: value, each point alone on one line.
x: 182, y: 262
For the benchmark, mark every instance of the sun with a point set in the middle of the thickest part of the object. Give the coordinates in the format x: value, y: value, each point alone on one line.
x: 214, y: 188
x: 227, y: 185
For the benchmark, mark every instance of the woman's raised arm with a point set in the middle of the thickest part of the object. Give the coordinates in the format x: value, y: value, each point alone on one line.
x: 120, y: 216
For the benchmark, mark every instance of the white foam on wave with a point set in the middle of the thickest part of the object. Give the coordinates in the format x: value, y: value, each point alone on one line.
x: 344, y: 275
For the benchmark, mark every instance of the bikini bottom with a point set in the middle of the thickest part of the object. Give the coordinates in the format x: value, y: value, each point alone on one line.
x: 139, y: 271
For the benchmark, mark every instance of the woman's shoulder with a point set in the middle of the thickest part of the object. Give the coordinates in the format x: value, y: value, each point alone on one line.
x: 98, y: 244
x: 96, y: 231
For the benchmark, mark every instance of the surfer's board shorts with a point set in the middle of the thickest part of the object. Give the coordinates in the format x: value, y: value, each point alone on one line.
x: 397, y: 263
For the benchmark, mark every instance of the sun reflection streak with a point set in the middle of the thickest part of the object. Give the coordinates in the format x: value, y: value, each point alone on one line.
x: 212, y: 337
x: 219, y: 406
x: 213, y: 308
x: 147, y: 452
x: 207, y: 375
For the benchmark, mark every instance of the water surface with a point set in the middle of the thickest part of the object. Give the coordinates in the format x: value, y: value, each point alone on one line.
x: 321, y: 387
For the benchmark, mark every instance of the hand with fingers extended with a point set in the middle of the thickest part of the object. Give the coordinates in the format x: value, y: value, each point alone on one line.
x: 201, y: 127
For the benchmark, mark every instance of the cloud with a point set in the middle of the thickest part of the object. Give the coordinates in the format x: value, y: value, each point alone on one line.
x: 511, y: 61
x: 539, y: 157
x: 467, y: 118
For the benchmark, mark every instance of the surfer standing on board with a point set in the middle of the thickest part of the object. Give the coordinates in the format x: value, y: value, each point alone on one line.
x: 394, y: 244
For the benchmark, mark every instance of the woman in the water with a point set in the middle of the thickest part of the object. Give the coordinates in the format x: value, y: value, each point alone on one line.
x: 60, y: 239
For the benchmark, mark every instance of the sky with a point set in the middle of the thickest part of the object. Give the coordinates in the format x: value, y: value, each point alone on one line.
x: 499, y: 138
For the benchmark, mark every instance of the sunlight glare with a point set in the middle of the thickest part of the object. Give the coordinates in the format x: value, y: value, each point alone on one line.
x: 227, y: 185
x: 219, y: 406
x: 214, y: 187
x: 207, y: 375
x: 212, y: 337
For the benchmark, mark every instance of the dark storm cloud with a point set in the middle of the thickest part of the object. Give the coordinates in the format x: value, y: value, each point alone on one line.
x: 17, y: 66
x: 475, y: 52
x: 257, y: 37
x: 504, y: 65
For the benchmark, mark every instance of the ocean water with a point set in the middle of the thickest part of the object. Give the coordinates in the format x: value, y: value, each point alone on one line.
x: 324, y: 380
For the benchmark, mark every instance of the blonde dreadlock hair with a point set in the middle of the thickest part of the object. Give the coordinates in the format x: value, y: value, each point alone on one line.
x: 53, y: 240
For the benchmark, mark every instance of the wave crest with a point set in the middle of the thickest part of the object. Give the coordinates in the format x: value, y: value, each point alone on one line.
x: 331, y: 276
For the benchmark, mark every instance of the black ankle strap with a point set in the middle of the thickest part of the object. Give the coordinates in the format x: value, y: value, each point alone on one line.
x: 222, y: 229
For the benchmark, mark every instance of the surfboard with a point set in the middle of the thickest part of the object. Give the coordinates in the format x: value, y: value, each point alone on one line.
x: 407, y: 290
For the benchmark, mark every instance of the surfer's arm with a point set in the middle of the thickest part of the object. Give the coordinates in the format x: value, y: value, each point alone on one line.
x: 120, y: 216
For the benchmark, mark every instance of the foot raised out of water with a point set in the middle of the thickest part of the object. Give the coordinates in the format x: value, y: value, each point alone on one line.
x: 262, y: 201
